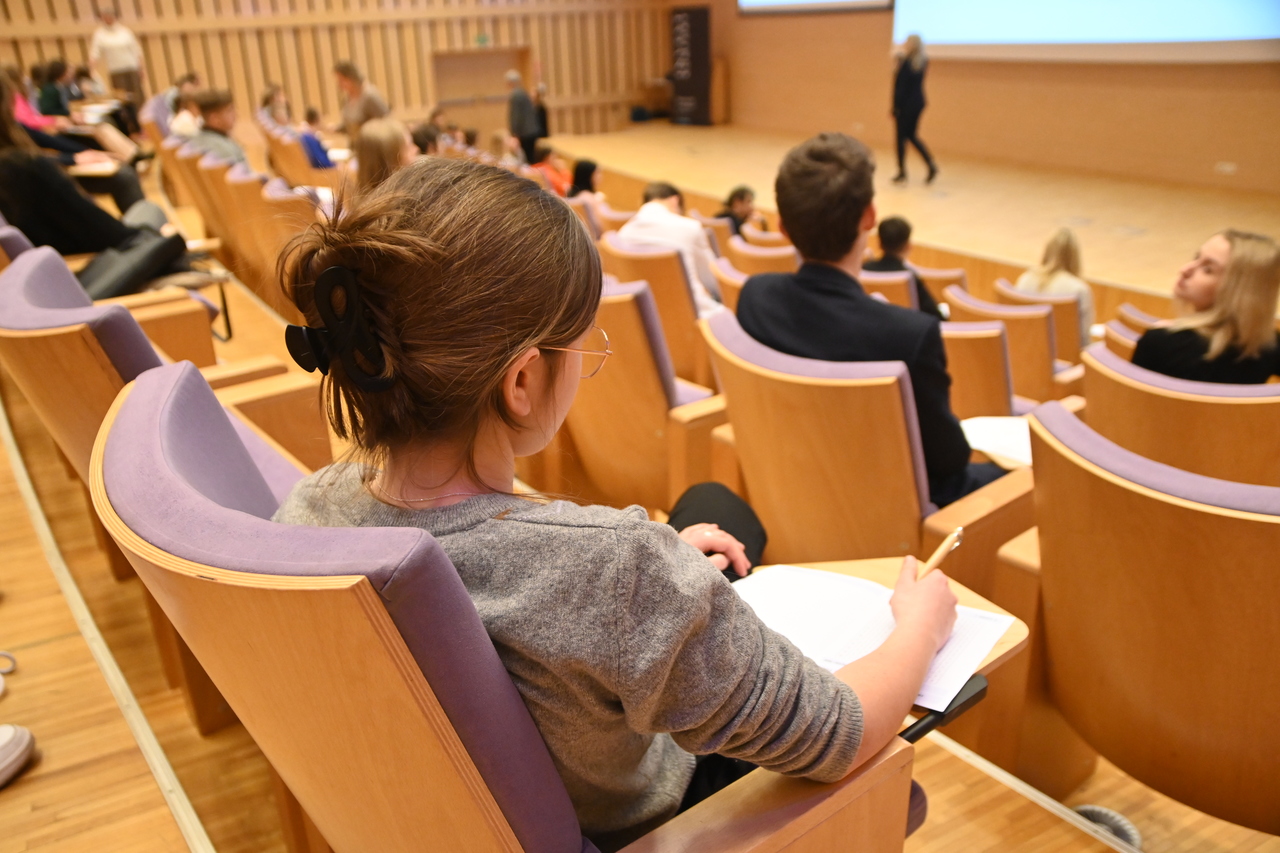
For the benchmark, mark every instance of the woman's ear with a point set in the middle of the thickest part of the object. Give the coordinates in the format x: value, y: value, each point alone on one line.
x: 524, y: 382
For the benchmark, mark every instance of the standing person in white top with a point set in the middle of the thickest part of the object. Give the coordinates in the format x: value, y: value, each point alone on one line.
x: 1059, y: 275
x: 115, y: 46
x: 661, y: 222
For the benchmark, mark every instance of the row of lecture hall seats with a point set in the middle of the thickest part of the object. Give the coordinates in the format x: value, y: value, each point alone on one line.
x: 1127, y: 622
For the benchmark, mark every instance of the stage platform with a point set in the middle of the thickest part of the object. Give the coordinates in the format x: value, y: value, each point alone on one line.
x: 1132, y: 233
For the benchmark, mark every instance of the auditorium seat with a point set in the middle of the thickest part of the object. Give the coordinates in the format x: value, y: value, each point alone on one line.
x: 665, y: 272
x: 1152, y: 598
x: 583, y: 208
x: 1037, y: 375
x: 288, y: 620
x: 938, y: 280
x: 610, y: 219
x: 753, y: 260
x: 640, y: 434
x: 720, y: 226
x: 269, y: 213
x: 290, y: 161
x: 1066, y: 317
x: 187, y: 158
x: 1137, y: 319
x: 981, y: 380
x: 1231, y: 432
x: 765, y: 239
x: 730, y: 280
x: 831, y: 459
x: 1120, y: 338
x: 896, y: 287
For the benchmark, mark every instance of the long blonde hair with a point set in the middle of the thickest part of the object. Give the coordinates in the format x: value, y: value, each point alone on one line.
x: 1061, y: 254
x: 1243, y: 314
x: 378, y: 148
x: 913, y: 52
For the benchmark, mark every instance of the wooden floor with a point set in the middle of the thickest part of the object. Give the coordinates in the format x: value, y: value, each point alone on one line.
x: 91, y: 790
x: 1134, y: 233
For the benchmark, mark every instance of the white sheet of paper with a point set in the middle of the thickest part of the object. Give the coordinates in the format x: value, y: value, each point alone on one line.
x: 1007, y: 437
x: 836, y: 619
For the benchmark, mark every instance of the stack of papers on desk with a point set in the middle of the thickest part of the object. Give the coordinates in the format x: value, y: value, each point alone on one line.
x: 1002, y: 438
x: 835, y: 619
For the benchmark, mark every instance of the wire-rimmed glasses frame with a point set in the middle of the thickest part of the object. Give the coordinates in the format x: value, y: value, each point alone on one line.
x: 604, y: 353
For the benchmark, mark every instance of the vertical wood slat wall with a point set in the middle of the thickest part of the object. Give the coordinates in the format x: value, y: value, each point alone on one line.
x: 595, y: 56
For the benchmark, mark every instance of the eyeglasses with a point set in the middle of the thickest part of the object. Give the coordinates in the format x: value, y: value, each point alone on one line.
x: 594, y: 354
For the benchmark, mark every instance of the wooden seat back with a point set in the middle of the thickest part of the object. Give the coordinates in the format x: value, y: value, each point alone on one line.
x: 1227, y: 432
x: 1159, y: 619
x: 753, y: 260
x: 1120, y: 339
x: 1030, y: 334
x: 581, y: 207
x: 938, y: 280
x: 895, y: 287
x: 766, y: 239
x: 664, y: 270
x: 187, y: 160
x: 730, y: 280
x: 721, y: 227
x: 1137, y: 319
x: 1066, y: 317
x: 828, y: 459
x: 978, y: 361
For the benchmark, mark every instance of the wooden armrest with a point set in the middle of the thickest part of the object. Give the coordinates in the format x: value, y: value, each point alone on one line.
x: 208, y: 245
x: 689, y: 443
x: 866, y: 811
x: 287, y: 408
x: 1073, y: 403
x: 1069, y: 381
x: 146, y: 298
x: 725, y: 467
x: 990, y: 517
x: 180, y: 329
x: 244, y: 370
x: 75, y: 263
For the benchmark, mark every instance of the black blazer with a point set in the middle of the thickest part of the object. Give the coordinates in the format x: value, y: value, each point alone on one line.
x: 38, y: 199
x: 908, y: 89
x: 924, y: 299
x: 820, y: 312
x: 1181, y: 354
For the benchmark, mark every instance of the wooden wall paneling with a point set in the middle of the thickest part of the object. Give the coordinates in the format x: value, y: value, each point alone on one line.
x: 233, y: 45
x: 255, y: 73
x: 291, y: 69
x: 310, y: 74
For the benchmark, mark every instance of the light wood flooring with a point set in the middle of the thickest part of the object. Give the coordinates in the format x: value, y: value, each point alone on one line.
x: 1131, y: 232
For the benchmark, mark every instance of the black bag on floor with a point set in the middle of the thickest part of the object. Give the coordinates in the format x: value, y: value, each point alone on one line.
x: 128, y: 267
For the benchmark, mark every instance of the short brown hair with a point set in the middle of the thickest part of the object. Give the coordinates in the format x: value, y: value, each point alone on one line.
x: 212, y: 100
x: 895, y: 234
x: 658, y: 190
x: 348, y: 69
x: 463, y: 267
x: 824, y: 186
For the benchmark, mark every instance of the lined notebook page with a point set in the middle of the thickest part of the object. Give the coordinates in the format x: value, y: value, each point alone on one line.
x: 1006, y: 437
x: 835, y: 619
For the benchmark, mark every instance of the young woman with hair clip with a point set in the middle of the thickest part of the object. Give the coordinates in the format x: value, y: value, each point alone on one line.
x: 1059, y: 274
x: 1229, y: 289
x: 382, y: 146
x: 468, y: 307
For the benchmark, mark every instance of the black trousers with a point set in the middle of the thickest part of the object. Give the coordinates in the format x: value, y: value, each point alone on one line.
x: 713, y: 503
x: 529, y: 143
x: 973, y: 477
x: 908, y: 125
x: 123, y: 186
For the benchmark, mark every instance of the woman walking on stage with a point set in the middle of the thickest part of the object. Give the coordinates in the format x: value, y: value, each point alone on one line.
x: 908, y: 104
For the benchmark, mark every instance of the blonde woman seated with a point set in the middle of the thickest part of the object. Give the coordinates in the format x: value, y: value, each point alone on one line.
x: 1059, y: 275
x: 474, y: 293
x: 382, y: 146
x: 1229, y: 335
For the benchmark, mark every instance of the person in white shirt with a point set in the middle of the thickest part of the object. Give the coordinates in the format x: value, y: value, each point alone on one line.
x: 660, y: 222
x: 1059, y: 274
x: 187, y: 122
x: 115, y: 46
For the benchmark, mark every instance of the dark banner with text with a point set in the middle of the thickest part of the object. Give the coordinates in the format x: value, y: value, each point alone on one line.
x: 691, y: 65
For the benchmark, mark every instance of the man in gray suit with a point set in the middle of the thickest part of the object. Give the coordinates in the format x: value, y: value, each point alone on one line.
x: 522, y: 119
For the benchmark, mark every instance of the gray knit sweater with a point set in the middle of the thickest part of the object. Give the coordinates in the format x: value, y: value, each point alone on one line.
x: 628, y: 647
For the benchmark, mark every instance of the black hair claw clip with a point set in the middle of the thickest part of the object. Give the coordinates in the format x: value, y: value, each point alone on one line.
x: 344, y: 335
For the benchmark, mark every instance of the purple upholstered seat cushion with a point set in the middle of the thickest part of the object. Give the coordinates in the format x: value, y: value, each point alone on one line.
x: 13, y: 241
x: 724, y: 325
x: 38, y: 291
x: 1128, y: 369
x: 178, y: 475
x: 653, y: 331
x: 1109, y: 456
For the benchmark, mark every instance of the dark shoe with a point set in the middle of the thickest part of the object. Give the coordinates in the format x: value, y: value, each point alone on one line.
x: 900, y: 178
x: 933, y: 173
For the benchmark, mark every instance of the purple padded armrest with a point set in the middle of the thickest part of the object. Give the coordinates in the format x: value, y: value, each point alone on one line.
x: 1109, y: 456
x: 730, y: 271
x: 1184, y: 386
x: 724, y: 325
x: 38, y: 291
x: 1123, y: 331
x: 178, y: 475
x: 13, y: 241
x: 653, y: 331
